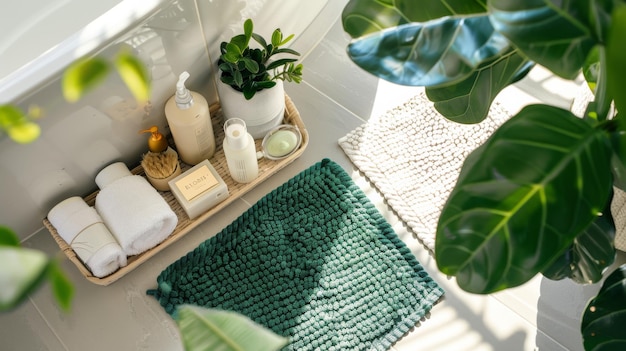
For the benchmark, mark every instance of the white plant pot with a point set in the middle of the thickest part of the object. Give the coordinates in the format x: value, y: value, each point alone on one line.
x: 261, y: 113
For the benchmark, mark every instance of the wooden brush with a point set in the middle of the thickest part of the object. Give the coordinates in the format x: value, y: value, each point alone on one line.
x: 160, y: 165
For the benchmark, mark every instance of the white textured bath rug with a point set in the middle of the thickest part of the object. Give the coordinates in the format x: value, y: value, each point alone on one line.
x: 413, y: 156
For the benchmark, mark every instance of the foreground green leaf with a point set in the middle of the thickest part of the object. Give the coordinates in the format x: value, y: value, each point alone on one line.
x: 434, y: 53
x: 83, y: 75
x: 17, y: 125
x: 134, y: 74
x: 24, y: 133
x: 522, y: 198
x: 362, y: 17
x: 618, y: 142
x: 8, y: 237
x: 555, y: 35
x: 589, y: 256
x: 62, y: 288
x: 21, y: 271
x: 604, y: 318
x: 468, y: 101
x: 210, y: 329
x: 616, y: 57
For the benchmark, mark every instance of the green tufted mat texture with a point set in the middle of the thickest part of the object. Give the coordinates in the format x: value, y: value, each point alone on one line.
x: 314, y: 261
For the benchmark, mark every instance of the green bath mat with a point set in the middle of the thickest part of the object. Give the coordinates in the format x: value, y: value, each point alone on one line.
x: 314, y: 261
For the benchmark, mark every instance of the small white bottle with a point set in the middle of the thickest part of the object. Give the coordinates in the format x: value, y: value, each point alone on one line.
x: 188, y: 116
x: 240, y: 151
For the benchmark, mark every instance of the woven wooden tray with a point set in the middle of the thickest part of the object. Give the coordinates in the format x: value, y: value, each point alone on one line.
x: 266, y: 169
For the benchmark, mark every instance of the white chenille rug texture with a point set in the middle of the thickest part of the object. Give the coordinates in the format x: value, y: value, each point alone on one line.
x: 413, y: 156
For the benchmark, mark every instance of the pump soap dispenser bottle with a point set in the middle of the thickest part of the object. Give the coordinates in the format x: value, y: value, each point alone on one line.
x: 161, y: 163
x: 240, y: 151
x: 188, y: 116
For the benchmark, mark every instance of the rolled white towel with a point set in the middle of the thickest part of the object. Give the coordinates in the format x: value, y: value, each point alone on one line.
x: 133, y: 210
x: 83, y: 229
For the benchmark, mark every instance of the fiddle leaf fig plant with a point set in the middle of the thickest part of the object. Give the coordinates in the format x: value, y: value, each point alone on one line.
x: 250, y: 70
x: 535, y: 197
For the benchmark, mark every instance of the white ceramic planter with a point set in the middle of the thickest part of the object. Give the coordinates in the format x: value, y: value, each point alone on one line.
x: 261, y: 113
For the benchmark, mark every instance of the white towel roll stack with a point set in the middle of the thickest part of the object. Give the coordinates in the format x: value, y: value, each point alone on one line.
x: 83, y: 229
x: 132, y: 209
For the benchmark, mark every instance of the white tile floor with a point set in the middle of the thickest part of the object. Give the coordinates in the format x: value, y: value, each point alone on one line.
x: 335, y: 97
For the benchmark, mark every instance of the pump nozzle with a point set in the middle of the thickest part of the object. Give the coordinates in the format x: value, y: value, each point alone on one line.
x: 157, y: 142
x: 183, y: 97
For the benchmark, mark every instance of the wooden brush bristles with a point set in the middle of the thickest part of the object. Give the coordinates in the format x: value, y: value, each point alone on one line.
x: 159, y: 165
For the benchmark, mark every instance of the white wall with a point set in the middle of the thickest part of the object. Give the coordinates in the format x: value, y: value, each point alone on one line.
x: 80, y: 139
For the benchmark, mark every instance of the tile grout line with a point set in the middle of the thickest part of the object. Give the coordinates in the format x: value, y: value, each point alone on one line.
x: 47, y: 323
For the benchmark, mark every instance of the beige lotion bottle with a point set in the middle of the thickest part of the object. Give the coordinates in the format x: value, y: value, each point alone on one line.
x: 187, y: 114
x: 240, y: 151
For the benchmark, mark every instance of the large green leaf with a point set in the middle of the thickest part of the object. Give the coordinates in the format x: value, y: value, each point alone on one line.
x: 361, y: 17
x: 21, y: 271
x: 468, y: 101
x: 83, y: 75
x: 522, y: 198
x: 134, y: 74
x: 17, y: 125
x: 434, y: 53
x: 589, y: 256
x: 618, y: 141
x: 8, y: 237
x: 211, y: 329
x: 62, y: 287
x: 604, y: 318
x: 553, y: 34
x: 616, y: 57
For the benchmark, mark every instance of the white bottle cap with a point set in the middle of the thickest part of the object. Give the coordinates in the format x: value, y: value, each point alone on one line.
x: 236, y: 133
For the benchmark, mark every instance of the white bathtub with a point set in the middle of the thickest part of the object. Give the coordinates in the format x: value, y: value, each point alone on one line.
x: 35, y: 45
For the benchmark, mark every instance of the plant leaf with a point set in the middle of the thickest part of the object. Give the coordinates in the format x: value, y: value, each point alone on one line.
x: 233, y: 53
x: 210, y: 329
x: 10, y: 115
x: 277, y: 37
x: 362, y: 17
x: 24, y: 133
x: 251, y: 65
x: 279, y: 63
x: 238, y: 44
x: 62, y: 287
x: 430, y: 54
x: 555, y: 35
x: 259, y: 39
x: 237, y: 77
x: 248, y: 29
x: 587, y: 258
x: 265, y: 84
x: 591, y: 68
x: 8, y: 237
x: 249, y: 90
x: 604, y: 318
x: 17, y: 125
x: 522, y: 198
x: 82, y: 75
x: 286, y: 40
x: 468, y: 101
x: 134, y: 74
x: 286, y: 51
x: 21, y: 271
x: 618, y: 142
x: 616, y: 57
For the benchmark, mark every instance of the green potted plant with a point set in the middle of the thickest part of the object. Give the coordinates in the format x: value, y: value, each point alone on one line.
x: 251, y: 78
x: 535, y: 197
